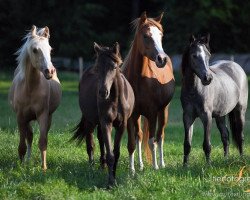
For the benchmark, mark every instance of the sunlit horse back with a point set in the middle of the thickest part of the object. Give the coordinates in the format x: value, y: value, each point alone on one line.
x: 149, y: 71
x: 35, y: 92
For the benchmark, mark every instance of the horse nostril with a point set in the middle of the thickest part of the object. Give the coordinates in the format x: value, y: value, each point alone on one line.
x: 46, y: 71
x: 103, y: 93
x: 159, y: 59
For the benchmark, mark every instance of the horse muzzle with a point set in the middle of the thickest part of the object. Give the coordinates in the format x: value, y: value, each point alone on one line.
x: 207, y: 79
x: 161, y: 60
x: 48, y: 73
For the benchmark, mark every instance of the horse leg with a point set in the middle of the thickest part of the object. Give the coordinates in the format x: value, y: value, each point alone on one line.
x: 207, y: 123
x: 151, y: 142
x: 90, y: 145
x: 221, y: 124
x: 188, y: 121
x: 162, y: 121
x: 117, y: 144
x: 102, y: 149
x: 131, y: 141
x: 106, y: 130
x: 139, y: 136
x: 29, y: 139
x: 44, y: 121
x: 22, y: 148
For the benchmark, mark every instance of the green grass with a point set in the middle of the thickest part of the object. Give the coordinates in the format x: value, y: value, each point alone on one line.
x: 69, y: 175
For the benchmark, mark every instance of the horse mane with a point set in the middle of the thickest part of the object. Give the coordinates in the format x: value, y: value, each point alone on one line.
x: 22, y: 54
x: 185, y: 60
x: 135, y: 24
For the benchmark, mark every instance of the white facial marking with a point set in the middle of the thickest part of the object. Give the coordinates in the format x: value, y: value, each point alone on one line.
x: 157, y: 36
x: 202, y: 52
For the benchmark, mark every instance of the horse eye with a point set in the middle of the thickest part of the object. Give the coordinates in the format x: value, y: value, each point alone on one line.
x: 195, y: 56
x: 35, y: 50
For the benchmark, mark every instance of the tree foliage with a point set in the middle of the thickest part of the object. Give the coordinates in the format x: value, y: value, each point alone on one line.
x: 76, y: 24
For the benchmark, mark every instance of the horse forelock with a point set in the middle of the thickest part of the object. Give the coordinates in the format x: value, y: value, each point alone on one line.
x: 22, y: 53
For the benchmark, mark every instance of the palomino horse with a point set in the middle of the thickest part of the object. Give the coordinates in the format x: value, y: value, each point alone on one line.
x: 35, y: 92
x: 149, y: 71
x: 106, y: 99
x: 212, y: 92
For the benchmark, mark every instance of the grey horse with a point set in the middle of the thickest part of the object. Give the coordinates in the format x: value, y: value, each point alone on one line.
x: 212, y: 91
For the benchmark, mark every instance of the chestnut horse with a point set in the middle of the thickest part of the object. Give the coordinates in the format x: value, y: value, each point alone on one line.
x: 35, y: 92
x: 149, y: 71
x: 106, y: 99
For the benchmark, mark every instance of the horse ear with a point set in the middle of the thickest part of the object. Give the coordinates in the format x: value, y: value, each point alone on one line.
x: 33, y: 31
x: 192, y: 39
x: 97, y: 48
x: 205, y: 39
x: 159, y: 18
x: 143, y: 17
x: 116, y: 48
x: 46, y: 32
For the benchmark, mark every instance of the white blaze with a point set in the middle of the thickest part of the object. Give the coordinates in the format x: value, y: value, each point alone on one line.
x: 157, y: 36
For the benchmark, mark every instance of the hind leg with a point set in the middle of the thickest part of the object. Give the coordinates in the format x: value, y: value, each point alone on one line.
x: 29, y: 139
x: 152, y: 143
x: 131, y: 142
x: 89, y: 130
x: 102, y: 149
x: 162, y: 121
x: 221, y: 124
x: 139, y: 137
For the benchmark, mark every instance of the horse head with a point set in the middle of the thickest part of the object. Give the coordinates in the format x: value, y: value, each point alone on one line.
x: 199, y: 56
x: 39, y: 51
x: 107, y: 63
x: 149, y: 38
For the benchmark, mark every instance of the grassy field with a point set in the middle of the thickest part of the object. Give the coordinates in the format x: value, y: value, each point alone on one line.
x: 69, y: 175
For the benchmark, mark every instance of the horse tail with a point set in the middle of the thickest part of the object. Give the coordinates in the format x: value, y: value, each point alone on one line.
x: 79, y: 133
x: 236, y: 137
x: 147, y: 151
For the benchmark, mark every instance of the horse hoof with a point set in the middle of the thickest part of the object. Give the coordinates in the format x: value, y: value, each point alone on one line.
x: 156, y: 167
x: 185, y: 165
x: 132, y: 171
x: 112, y: 184
x: 162, y: 165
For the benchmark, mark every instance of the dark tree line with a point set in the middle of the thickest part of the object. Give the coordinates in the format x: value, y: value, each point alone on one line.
x: 76, y: 24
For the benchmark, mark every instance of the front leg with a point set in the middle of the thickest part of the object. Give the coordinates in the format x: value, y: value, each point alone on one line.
x: 152, y: 143
x: 106, y: 131
x: 188, y: 120
x: 44, y: 121
x: 207, y: 123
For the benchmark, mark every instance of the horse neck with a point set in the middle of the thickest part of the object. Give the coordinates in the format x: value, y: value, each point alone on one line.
x: 190, y: 80
x: 119, y: 91
x: 31, y: 77
x: 134, y: 63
